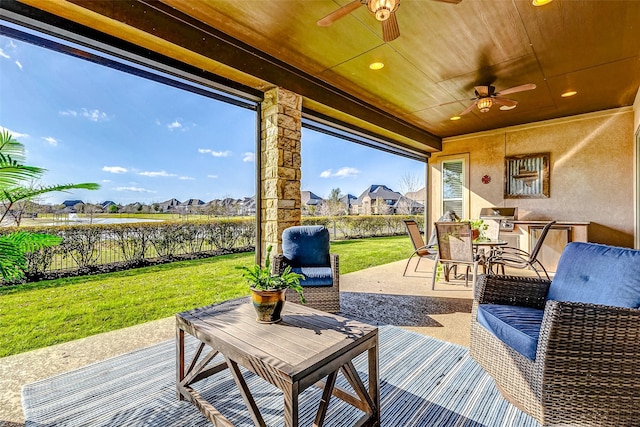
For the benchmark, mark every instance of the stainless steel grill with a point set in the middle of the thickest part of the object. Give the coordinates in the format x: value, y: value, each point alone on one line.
x: 506, y: 216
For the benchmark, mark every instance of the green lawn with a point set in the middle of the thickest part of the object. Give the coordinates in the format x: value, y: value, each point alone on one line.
x: 41, y: 314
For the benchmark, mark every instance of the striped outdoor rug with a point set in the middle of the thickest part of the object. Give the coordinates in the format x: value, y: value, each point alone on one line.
x: 424, y: 382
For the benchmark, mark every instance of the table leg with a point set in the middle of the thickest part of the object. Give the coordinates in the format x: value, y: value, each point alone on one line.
x: 179, y: 361
x: 291, y: 405
x: 245, y: 393
x: 324, y: 401
x: 374, y: 381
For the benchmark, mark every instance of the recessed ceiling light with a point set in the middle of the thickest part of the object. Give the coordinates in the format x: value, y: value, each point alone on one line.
x: 376, y: 65
x: 540, y: 2
x: 454, y: 118
x: 507, y: 107
x: 568, y: 93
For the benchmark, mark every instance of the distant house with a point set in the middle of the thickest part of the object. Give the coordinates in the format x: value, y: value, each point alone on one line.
x: 106, y: 204
x: 349, y: 202
x: 191, y: 205
x: 310, y: 199
x: 377, y: 200
x: 69, y: 205
x: 419, y: 196
x: 169, y: 205
x: 72, y: 203
x: 405, y: 205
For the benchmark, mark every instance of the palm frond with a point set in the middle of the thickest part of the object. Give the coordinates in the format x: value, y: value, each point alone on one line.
x: 13, y: 248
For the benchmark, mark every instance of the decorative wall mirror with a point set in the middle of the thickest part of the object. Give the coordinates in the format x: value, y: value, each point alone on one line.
x: 527, y: 176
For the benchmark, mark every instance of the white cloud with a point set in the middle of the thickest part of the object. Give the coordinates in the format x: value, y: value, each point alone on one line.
x: 249, y: 157
x: 106, y: 181
x: 226, y: 153
x: 155, y: 174
x: 19, y: 64
x: 134, y: 189
x: 51, y: 140
x: 174, y: 125
x: 345, y: 172
x: 71, y: 113
x: 212, y: 176
x: 95, y: 115
x: 15, y: 134
x: 114, y: 169
x: 186, y: 178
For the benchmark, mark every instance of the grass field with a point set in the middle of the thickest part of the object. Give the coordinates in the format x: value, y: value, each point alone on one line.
x: 41, y: 314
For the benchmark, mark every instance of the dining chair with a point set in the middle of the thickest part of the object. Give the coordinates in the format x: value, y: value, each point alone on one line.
x: 420, y: 249
x: 517, y: 258
x: 455, y: 247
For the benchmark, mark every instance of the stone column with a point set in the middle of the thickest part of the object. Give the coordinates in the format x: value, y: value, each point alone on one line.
x: 280, y: 173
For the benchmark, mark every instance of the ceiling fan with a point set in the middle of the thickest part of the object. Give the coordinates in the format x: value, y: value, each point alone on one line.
x: 486, y: 97
x: 383, y: 10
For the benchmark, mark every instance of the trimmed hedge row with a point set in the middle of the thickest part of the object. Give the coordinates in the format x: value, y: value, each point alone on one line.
x: 96, y: 248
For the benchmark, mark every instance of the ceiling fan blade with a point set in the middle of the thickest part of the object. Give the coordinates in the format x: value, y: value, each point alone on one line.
x: 521, y: 88
x: 469, y: 108
x: 339, y: 13
x: 482, y: 90
x: 390, y: 29
x: 505, y: 101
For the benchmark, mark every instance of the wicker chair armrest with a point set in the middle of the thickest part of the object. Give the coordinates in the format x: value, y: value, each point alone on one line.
x: 512, y: 290
x: 601, y: 343
x: 278, y: 264
x: 335, y: 269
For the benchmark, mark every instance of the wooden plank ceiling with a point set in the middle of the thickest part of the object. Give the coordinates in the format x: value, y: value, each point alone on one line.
x: 444, y: 50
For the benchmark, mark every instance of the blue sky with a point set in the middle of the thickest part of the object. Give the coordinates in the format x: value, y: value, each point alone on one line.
x: 148, y: 142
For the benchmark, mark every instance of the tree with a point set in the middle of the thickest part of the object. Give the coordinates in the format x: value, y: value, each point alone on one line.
x: 333, y: 206
x: 13, y: 176
x: 409, y: 183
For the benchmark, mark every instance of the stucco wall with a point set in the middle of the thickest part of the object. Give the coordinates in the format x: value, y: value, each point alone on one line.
x: 592, y: 171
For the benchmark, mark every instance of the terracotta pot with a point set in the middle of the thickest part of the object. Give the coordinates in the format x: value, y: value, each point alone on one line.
x: 268, y: 305
x: 475, y: 233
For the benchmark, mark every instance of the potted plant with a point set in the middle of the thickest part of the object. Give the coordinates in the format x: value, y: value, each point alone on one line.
x: 478, y: 227
x: 268, y: 290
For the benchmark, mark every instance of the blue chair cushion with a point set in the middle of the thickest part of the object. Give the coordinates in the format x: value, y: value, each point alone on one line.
x: 306, y: 246
x: 517, y: 327
x: 597, y: 274
x: 315, y: 276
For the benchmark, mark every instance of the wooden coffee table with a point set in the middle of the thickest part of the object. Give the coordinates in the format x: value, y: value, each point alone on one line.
x: 308, y: 347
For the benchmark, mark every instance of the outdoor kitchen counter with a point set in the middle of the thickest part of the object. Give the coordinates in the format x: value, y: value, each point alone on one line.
x: 525, y: 234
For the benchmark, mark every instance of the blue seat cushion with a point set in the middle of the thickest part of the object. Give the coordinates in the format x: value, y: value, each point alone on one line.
x: 306, y: 246
x: 315, y: 276
x: 517, y: 327
x: 597, y: 274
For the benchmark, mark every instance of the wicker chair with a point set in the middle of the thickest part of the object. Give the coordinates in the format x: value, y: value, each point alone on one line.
x: 566, y: 352
x: 306, y: 250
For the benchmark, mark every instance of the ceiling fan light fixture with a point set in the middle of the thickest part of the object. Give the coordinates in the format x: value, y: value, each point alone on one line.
x: 382, y: 9
x: 484, y: 104
x: 376, y: 65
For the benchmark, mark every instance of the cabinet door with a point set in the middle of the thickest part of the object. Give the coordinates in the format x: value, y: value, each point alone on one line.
x: 554, y: 243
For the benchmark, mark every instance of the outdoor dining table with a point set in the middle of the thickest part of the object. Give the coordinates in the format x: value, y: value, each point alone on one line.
x: 483, y: 245
x: 308, y: 347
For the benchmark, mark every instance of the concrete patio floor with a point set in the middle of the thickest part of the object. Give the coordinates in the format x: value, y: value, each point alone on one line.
x: 380, y: 294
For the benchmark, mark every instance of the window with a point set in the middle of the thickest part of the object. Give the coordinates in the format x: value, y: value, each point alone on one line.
x: 453, y: 184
